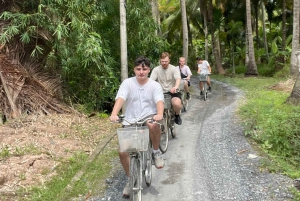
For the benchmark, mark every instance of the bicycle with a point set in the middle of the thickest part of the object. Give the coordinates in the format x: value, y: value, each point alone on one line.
x: 168, y: 125
x: 184, y: 100
x: 203, y: 79
x: 136, y: 141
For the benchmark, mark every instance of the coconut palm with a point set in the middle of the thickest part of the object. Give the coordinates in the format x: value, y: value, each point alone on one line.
x: 123, y: 40
x: 251, y: 65
x: 184, y: 30
x: 295, y: 42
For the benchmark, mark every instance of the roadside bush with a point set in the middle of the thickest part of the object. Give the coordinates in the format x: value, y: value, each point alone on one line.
x: 272, y: 123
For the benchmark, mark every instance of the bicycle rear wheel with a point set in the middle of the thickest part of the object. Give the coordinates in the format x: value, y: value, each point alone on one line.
x: 148, y: 168
x: 164, y: 139
x: 135, y: 180
x: 204, y: 91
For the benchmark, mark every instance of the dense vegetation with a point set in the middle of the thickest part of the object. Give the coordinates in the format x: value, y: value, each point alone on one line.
x: 80, y: 40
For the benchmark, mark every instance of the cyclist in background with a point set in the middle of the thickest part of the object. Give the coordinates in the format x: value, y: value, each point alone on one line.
x: 185, y: 73
x: 168, y: 76
x: 203, y: 68
x: 144, y: 98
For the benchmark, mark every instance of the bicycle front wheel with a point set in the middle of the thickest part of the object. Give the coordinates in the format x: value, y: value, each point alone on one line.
x: 172, y: 125
x: 148, y: 168
x: 135, y: 180
x: 164, y: 138
x: 185, y: 104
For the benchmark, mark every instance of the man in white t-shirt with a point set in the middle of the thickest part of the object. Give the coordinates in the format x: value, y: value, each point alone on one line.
x: 203, y: 68
x: 144, y: 98
x: 185, y: 73
x: 169, y: 77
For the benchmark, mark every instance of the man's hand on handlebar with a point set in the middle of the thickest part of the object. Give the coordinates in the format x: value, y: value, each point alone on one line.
x: 174, y: 90
x: 157, y: 117
x: 114, y: 118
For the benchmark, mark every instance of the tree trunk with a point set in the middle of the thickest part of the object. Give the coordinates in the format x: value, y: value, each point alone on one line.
x: 294, y: 98
x: 155, y: 14
x: 264, y: 28
x: 123, y: 40
x: 295, y: 41
x: 215, y: 50
x: 251, y: 67
x: 203, y: 10
x: 185, y: 39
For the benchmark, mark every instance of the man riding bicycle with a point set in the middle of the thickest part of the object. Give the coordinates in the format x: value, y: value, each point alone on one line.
x: 203, y: 68
x: 144, y: 98
x: 185, y: 73
x: 169, y: 78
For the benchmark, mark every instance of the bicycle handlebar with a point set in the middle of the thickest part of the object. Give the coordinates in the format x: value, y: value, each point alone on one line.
x: 203, y: 73
x: 140, y: 122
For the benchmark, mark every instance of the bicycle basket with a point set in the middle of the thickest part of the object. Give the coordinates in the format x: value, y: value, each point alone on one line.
x: 167, y: 98
x: 202, y: 77
x: 133, y: 139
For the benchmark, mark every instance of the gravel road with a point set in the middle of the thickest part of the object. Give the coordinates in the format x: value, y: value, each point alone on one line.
x: 210, y: 159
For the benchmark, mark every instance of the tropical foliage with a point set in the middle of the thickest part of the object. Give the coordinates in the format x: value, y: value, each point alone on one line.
x: 80, y: 40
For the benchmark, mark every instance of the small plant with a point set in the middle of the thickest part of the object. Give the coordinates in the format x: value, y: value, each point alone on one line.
x: 103, y: 115
x: 4, y: 152
x: 19, y: 151
x: 22, y: 176
x: 63, y: 135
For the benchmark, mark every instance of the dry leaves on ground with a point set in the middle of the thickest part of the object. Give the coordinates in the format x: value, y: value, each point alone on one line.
x: 30, y: 147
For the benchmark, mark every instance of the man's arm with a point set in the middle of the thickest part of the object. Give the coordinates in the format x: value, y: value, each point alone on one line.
x: 117, y: 107
x: 199, y: 70
x: 160, y: 111
x: 189, y: 73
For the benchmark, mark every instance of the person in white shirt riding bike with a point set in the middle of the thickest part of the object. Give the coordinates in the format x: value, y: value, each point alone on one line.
x: 186, y: 73
x: 203, y: 68
x: 143, y: 98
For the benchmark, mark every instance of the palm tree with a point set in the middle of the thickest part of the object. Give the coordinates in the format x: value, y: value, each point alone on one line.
x: 155, y: 14
x: 213, y: 39
x: 123, y: 40
x: 295, y: 41
x: 184, y: 30
x: 251, y: 66
x: 264, y: 27
x: 203, y: 10
x: 295, y: 97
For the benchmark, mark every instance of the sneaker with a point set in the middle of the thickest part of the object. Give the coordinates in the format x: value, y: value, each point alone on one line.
x: 126, y: 191
x: 177, y: 120
x: 188, y: 97
x: 158, y: 160
x: 209, y: 89
x: 201, y: 93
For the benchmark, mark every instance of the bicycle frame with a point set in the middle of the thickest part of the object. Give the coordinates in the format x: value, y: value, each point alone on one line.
x: 140, y: 158
x: 203, y: 79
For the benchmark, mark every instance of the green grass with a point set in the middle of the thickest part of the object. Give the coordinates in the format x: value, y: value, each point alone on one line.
x: 91, y: 181
x: 270, y: 122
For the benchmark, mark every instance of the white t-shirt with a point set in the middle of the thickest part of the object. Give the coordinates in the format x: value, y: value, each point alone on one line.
x: 166, y: 77
x: 140, y: 100
x: 204, y: 67
x: 185, y: 70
